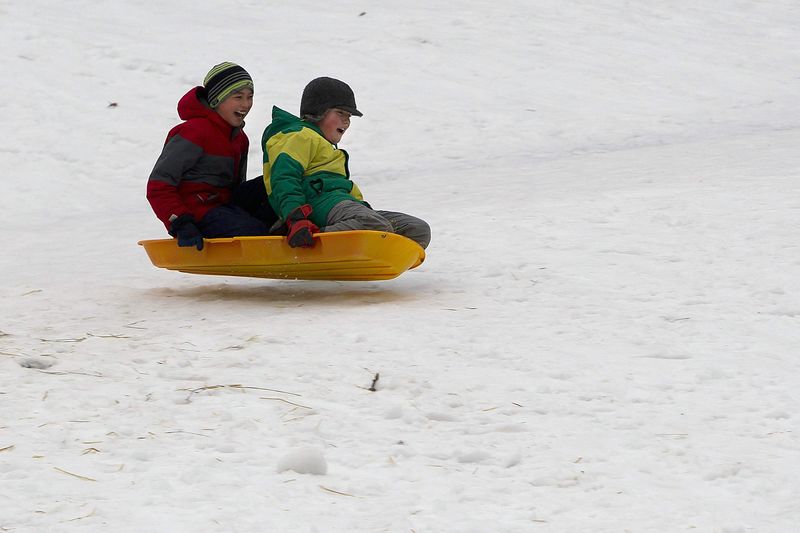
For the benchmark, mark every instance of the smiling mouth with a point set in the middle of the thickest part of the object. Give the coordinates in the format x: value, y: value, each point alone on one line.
x: 240, y: 114
x: 340, y: 130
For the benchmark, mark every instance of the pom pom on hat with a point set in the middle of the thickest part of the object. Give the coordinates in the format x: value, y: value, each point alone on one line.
x: 224, y: 79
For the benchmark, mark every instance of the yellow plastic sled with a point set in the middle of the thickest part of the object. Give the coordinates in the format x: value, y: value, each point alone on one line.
x: 341, y: 256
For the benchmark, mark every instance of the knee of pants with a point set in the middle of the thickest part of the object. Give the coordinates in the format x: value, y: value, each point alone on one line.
x: 421, y: 233
x: 373, y: 221
x: 378, y: 224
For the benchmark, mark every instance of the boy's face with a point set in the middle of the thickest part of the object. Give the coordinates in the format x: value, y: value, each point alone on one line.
x: 235, y: 107
x: 333, y: 124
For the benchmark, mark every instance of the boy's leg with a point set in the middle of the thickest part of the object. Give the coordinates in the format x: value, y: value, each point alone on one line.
x: 414, y: 228
x: 351, y: 215
x: 252, y: 197
x: 231, y: 221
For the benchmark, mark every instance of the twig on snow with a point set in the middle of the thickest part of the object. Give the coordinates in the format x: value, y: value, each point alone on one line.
x: 188, y: 432
x: 270, y: 390
x: 73, y: 475
x: 109, y: 336
x: 238, y: 386
x: 285, y: 401
x: 79, y: 339
x: 374, y: 382
x: 335, y: 491
x: 81, y: 517
x: 92, y: 374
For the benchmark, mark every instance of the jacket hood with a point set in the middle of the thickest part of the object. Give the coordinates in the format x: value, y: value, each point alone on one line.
x: 194, y: 105
x: 283, y: 120
x: 191, y: 106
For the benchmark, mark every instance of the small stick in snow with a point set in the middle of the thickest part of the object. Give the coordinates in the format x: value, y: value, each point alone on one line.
x: 266, y: 389
x: 78, y: 339
x: 285, y: 401
x: 237, y: 386
x: 374, y: 382
x: 81, y: 517
x: 336, y: 491
x: 34, y: 291
x: 90, y: 374
x: 73, y: 475
x: 187, y: 432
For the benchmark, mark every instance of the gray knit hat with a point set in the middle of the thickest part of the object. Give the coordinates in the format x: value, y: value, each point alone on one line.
x: 324, y: 93
x: 224, y: 79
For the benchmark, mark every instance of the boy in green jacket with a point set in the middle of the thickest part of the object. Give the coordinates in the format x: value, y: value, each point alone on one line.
x: 306, y: 174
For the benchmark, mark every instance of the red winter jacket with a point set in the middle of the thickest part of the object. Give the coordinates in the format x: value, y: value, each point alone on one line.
x: 203, y: 159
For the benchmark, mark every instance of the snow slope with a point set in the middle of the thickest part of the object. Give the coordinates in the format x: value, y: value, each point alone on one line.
x: 604, y: 336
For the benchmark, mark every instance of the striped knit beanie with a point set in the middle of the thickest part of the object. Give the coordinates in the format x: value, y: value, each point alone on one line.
x: 224, y: 79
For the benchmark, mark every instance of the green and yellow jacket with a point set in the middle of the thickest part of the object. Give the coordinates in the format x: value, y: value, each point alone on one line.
x: 302, y: 167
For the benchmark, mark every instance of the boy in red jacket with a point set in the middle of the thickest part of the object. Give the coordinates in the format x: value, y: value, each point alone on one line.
x: 197, y: 187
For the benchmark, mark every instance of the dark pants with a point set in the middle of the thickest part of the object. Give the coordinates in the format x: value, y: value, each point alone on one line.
x: 248, y: 213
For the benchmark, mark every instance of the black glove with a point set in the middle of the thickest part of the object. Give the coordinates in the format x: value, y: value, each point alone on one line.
x: 184, y: 229
x: 300, y: 228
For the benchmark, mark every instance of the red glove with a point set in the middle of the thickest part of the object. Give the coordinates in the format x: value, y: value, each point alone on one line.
x: 300, y: 228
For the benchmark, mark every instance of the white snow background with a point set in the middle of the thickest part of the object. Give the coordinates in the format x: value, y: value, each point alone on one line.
x: 604, y: 336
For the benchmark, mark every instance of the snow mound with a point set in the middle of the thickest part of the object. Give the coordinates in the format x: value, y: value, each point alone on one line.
x: 307, y: 460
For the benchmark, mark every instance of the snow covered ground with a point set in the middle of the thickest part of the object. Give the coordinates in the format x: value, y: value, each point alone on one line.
x: 604, y: 336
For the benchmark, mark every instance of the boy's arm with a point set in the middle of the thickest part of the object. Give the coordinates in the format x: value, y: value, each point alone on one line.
x: 289, y: 156
x: 178, y: 155
x: 242, y: 175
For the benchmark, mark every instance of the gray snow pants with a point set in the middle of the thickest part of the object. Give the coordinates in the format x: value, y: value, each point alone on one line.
x: 349, y: 215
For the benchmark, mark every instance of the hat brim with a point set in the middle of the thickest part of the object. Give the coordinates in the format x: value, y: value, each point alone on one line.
x: 352, y: 110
